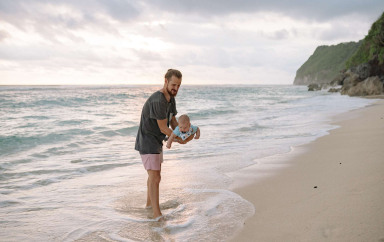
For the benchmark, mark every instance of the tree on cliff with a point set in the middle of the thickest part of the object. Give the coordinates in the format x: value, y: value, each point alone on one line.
x: 372, y: 48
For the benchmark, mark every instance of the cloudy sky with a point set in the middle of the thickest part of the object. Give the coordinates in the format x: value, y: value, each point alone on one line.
x: 135, y: 42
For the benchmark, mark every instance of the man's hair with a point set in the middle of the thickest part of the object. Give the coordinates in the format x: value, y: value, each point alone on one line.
x: 173, y: 72
x: 184, y: 118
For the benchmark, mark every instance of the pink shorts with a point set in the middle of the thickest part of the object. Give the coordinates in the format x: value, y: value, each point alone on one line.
x: 152, y: 161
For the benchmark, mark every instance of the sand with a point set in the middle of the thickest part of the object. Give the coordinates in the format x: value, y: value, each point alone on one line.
x: 331, y: 190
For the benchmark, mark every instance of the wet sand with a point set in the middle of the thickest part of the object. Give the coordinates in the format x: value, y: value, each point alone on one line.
x: 332, y: 189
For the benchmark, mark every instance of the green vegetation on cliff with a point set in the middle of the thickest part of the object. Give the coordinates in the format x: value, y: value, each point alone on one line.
x: 372, y: 46
x: 325, y: 63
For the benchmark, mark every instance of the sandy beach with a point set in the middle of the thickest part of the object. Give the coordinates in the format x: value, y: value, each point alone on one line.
x: 331, y: 190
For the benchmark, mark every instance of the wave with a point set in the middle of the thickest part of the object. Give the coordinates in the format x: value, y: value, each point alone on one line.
x: 16, y: 143
x: 36, y: 117
x: 211, y: 113
x: 129, y: 131
x: 33, y: 173
x: 96, y: 168
x: 6, y: 165
x: 7, y: 201
x: 253, y: 127
x: 74, y: 122
x: 30, y: 88
x: 55, y: 175
x: 70, y: 101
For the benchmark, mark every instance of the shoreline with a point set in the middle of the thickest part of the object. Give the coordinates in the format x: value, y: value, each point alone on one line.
x: 328, y: 190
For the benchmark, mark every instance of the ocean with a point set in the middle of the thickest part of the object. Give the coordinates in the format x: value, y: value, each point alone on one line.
x: 69, y: 171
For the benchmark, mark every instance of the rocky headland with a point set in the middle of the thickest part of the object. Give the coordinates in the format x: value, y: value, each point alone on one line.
x: 354, y: 68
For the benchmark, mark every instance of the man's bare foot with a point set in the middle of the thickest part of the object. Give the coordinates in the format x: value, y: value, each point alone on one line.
x: 159, y: 218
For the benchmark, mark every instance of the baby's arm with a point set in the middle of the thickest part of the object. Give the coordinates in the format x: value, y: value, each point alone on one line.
x: 170, y: 140
x: 197, y: 136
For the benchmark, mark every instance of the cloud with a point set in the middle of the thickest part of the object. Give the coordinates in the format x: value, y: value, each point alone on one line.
x: 276, y: 35
x: 311, y: 10
x: 4, y: 35
x: 28, y: 53
x: 121, y: 10
x: 135, y: 40
x: 53, y: 18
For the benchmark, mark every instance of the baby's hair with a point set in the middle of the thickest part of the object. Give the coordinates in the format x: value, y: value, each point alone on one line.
x: 184, y: 118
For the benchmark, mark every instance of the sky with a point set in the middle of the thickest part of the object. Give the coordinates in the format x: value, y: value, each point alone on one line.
x: 117, y: 42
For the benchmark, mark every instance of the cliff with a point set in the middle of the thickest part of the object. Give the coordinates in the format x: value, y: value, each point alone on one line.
x: 365, y: 75
x: 325, y: 63
x: 357, y: 67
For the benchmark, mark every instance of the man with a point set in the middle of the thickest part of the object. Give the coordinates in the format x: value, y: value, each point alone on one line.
x: 158, y: 113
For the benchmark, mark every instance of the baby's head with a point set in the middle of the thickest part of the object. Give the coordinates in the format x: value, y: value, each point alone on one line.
x: 184, y: 123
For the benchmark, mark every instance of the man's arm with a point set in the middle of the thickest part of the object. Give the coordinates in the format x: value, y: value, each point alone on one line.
x: 164, y: 128
x: 174, y: 122
x: 170, y: 140
x: 185, y: 141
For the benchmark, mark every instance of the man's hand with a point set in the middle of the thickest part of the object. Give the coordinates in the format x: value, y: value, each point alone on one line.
x: 164, y: 128
x: 197, y: 133
x: 183, y: 142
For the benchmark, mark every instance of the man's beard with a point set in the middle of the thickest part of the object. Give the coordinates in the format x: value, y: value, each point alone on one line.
x: 170, y: 92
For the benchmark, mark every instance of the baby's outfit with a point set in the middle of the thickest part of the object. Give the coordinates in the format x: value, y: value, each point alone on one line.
x: 185, y: 135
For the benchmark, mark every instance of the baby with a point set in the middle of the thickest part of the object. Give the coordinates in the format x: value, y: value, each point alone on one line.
x: 184, y: 130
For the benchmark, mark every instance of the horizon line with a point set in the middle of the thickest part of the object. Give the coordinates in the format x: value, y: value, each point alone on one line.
x: 212, y: 84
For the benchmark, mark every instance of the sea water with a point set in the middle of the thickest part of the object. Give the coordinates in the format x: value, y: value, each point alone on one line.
x: 69, y: 171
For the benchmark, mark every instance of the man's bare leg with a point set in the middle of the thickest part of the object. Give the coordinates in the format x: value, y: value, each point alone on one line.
x: 148, y: 205
x: 153, y: 189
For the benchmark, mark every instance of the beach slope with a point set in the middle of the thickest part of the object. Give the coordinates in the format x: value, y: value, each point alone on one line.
x: 332, y: 191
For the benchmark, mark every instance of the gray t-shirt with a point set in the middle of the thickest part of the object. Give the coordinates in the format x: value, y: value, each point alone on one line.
x: 149, y: 139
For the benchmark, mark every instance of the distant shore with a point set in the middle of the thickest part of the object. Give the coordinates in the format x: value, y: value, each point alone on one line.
x: 331, y: 190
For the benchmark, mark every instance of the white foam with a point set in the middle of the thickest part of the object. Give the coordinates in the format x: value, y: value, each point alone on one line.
x: 220, y: 213
x: 177, y: 228
x: 116, y: 237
